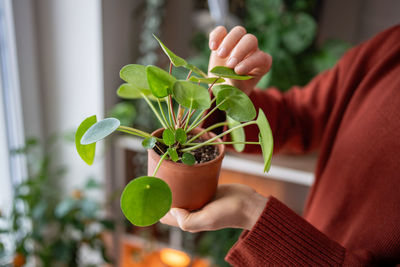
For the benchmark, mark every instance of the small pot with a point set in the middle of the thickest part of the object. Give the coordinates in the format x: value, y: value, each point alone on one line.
x: 192, y: 186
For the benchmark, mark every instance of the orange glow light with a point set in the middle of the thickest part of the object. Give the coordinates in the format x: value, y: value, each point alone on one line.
x: 174, y: 258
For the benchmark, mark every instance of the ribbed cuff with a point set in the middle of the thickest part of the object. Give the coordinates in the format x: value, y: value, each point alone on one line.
x: 281, y: 237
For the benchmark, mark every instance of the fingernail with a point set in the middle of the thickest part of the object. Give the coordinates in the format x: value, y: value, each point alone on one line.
x: 232, y: 62
x: 213, y: 45
x: 222, y: 52
x: 175, y: 213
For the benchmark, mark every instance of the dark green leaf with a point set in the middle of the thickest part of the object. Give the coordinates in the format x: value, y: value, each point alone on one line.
x: 191, y: 95
x: 235, y: 103
x: 135, y: 74
x: 188, y: 159
x: 86, y: 152
x: 168, y: 137
x: 173, y: 154
x: 228, y: 73
x: 149, y: 142
x: 266, y: 139
x: 100, y: 130
x: 300, y: 32
x: 237, y: 135
x: 206, y: 80
x: 177, y: 61
x: 145, y: 200
x: 160, y: 81
x: 180, y: 135
x: 108, y: 224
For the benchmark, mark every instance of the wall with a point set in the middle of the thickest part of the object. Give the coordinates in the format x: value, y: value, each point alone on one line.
x: 70, y: 72
x: 357, y: 20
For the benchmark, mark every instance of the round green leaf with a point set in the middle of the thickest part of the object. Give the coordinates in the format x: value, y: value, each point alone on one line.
x: 135, y: 74
x: 168, y: 137
x: 145, y: 200
x: 86, y: 152
x: 100, y: 130
x: 235, y: 103
x: 210, y: 80
x: 237, y: 135
x: 149, y: 142
x: 130, y: 91
x: 266, y: 139
x: 173, y: 154
x: 191, y: 95
x: 228, y: 73
x: 188, y: 159
x: 180, y: 135
x: 177, y: 61
x: 160, y: 81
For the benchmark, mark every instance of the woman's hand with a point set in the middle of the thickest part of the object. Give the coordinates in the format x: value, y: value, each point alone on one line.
x: 234, y: 206
x: 238, y: 50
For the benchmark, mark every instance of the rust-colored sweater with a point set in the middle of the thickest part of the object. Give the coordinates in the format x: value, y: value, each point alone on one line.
x: 351, y: 114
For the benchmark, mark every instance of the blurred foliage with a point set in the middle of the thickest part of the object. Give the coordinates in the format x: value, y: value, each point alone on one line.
x: 216, y: 244
x: 152, y: 12
x: 125, y: 112
x: 46, y: 227
x: 287, y: 30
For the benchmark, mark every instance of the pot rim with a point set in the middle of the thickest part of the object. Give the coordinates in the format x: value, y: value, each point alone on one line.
x: 221, y: 148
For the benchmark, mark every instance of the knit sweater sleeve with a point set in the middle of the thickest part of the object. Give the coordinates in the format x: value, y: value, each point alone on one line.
x: 299, y: 117
x: 281, y: 237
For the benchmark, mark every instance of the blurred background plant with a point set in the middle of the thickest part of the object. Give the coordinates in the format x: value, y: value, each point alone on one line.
x: 47, y: 228
x: 286, y: 29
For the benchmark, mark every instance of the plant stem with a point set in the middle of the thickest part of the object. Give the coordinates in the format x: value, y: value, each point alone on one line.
x: 226, y: 143
x: 171, y: 109
x: 154, y: 110
x: 137, y: 132
x: 163, y: 114
x: 169, y: 113
x: 188, y: 76
x: 187, y: 121
x: 218, y: 136
x: 185, y: 117
x: 201, y: 114
x: 201, y: 119
x: 159, y: 164
x: 209, y: 88
x: 207, y: 130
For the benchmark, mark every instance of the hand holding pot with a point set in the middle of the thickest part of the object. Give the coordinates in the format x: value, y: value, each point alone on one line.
x: 234, y: 206
x: 238, y: 50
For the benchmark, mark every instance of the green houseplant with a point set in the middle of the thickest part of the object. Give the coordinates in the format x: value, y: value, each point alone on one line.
x: 146, y: 199
x: 45, y: 227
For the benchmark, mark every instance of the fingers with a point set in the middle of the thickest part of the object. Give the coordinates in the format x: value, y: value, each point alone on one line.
x: 256, y: 64
x: 230, y: 41
x: 216, y: 37
x: 191, y: 221
x: 246, y: 45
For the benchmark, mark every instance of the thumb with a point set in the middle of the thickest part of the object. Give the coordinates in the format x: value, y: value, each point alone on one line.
x: 180, y: 215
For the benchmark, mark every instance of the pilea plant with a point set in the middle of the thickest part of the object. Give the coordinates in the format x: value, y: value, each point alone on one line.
x: 146, y: 199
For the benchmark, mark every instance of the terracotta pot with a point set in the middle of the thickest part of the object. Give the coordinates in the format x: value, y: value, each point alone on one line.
x: 192, y: 186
